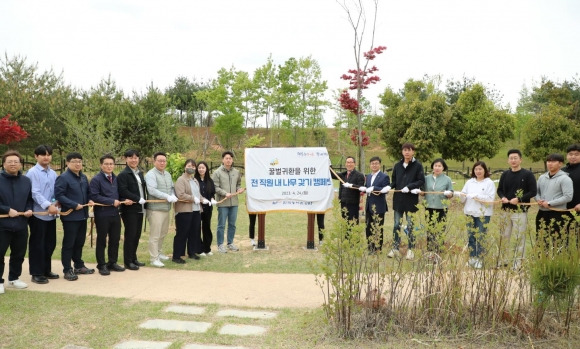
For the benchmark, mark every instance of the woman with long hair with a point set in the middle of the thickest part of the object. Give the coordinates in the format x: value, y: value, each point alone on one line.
x: 207, y: 189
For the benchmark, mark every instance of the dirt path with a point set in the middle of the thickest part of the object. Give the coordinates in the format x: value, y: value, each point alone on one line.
x: 180, y: 286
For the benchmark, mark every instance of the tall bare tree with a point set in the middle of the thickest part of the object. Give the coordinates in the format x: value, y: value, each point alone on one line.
x: 363, y: 75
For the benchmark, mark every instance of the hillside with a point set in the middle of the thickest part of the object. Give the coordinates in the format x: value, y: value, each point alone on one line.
x: 338, y: 147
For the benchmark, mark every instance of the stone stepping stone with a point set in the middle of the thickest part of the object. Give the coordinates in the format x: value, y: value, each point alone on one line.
x: 247, y: 314
x: 209, y: 346
x: 185, y: 309
x: 242, y: 330
x: 176, y: 325
x: 142, y: 345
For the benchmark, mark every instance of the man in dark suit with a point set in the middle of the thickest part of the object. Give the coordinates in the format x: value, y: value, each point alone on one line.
x: 376, y: 187
x: 348, y: 197
x: 408, y: 178
x: 131, y: 184
x: 71, y: 190
x: 103, y: 190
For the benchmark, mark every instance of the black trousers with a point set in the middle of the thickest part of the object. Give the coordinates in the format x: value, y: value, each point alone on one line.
x: 378, y: 223
x: 252, y: 226
x: 194, y: 237
x: 73, y: 240
x: 107, y: 226
x: 351, y: 212
x: 554, y: 222
x: 435, y: 216
x: 187, y: 234
x: 320, y: 224
x: 16, y: 240
x: 207, y: 235
x: 41, y: 244
x: 133, y: 222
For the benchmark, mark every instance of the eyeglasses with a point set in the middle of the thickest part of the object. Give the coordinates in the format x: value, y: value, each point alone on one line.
x: 12, y: 162
x: 161, y: 161
x: 76, y: 161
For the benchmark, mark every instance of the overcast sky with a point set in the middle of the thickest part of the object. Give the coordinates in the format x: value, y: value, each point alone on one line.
x: 499, y: 42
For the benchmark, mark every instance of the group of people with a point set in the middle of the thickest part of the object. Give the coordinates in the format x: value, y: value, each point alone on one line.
x: 36, y: 199
x: 557, y: 193
x: 407, y: 180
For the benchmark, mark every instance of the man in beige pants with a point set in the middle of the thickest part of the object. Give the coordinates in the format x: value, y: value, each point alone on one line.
x: 159, y: 187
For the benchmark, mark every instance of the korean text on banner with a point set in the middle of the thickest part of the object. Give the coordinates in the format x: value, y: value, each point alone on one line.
x: 288, y: 179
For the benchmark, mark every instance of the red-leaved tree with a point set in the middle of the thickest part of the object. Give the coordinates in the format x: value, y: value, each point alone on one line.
x: 360, y: 79
x: 355, y: 136
x: 10, y: 131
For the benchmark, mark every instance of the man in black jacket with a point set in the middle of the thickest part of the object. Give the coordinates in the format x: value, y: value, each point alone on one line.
x: 103, y: 190
x: 15, y: 198
x: 347, y: 195
x: 71, y: 190
x: 408, y: 178
x: 131, y: 184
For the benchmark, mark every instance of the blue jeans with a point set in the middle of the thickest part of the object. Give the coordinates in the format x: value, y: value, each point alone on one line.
x: 397, y: 229
x: 230, y: 214
x: 476, y: 229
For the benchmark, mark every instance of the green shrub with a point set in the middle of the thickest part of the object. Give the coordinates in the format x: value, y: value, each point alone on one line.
x: 175, y: 165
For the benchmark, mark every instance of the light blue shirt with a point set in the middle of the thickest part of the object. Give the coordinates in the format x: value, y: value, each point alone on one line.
x: 42, y: 189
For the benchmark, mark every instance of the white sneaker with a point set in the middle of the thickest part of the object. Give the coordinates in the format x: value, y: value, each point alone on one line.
x: 157, y: 263
x: 393, y: 253
x: 202, y: 254
x: 163, y: 257
x: 253, y: 242
x: 222, y: 248
x: 1, y: 288
x: 233, y: 247
x: 410, y: 255
x: 475, y: 263
x: 17, y: 284
x: 210, y: 253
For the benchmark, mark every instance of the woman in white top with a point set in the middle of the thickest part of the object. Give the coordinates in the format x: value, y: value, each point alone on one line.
x: 475, y: 192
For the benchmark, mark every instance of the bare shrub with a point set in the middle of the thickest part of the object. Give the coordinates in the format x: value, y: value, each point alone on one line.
x: 368, y: 295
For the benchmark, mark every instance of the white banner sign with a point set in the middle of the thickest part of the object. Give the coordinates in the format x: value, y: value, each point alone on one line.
x: 288, y: 179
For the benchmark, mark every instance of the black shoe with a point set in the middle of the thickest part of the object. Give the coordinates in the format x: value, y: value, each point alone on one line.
x: 84, y: 270
x: 70, y: 275
x: 104, y: 270
x: 39, y: 279
x: 132, y: 266
x: 178, y: 261
x: 139, y: 264
x: 194, y: 256
x: 52, y: 276
x: 116, y: 267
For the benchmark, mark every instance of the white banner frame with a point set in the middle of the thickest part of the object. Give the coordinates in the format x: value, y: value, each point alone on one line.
x: 288, y: 179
